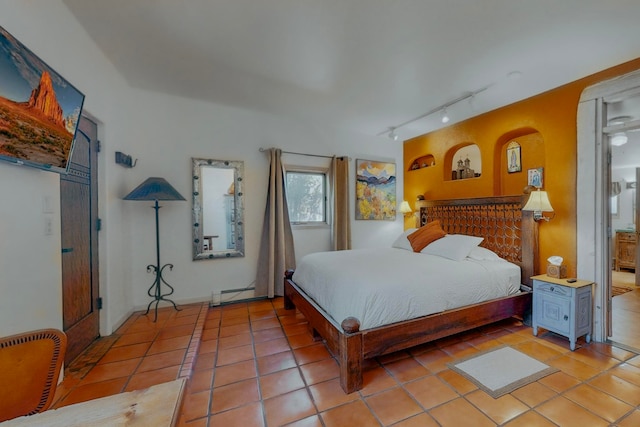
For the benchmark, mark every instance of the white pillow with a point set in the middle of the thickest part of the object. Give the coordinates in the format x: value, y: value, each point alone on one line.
x: 483, y: 254
x: 453, y: 246
x: 402, y: 242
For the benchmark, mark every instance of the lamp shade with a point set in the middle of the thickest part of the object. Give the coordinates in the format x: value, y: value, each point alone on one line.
x: 405, y: 208
x: 538, y: 202
x: 619, y: 139
x: 154, y: 189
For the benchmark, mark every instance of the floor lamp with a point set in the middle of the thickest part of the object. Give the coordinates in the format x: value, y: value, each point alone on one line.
x: 156, y: 189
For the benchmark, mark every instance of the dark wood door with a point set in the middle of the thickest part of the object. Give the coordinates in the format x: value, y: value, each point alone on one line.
x: 78, y: 210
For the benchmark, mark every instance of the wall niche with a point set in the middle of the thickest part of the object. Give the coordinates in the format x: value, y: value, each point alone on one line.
x: 466, y: 162
x: 423, y: 162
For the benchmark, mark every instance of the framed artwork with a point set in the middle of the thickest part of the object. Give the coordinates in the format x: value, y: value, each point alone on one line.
x: 535, y: 177
x: 375, y: 190
x: 514, y: 163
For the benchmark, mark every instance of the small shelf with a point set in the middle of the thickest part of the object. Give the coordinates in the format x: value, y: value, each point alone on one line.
x: 423, y: 162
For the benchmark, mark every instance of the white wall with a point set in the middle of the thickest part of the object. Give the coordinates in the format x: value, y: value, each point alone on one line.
x: 163, y: 132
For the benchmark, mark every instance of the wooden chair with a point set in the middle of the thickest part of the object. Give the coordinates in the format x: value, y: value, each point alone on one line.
x: 30, y: 365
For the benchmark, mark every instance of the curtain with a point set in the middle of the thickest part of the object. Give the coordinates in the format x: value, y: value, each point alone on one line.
x: 276, y: 245
x: 341, y: 224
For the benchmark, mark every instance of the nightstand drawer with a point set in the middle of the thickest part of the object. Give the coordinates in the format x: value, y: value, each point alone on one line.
x: 551, y: 288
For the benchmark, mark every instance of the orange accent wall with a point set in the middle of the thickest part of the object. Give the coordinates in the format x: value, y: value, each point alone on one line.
x: 545, y: 127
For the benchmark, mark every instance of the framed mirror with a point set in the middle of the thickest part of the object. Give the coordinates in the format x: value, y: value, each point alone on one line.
x: 218, y: 209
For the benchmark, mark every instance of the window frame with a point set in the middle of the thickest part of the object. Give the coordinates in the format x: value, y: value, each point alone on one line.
x: 317, y: 170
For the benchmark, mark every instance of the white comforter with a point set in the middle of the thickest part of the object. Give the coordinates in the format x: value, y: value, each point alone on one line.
x: 387, y: 285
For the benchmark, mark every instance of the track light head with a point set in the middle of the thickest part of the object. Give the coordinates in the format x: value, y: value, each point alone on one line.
x: 444, y: 117
x: 392, y: 134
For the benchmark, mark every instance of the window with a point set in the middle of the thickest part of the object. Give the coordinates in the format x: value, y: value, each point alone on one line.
x: 307, y: 197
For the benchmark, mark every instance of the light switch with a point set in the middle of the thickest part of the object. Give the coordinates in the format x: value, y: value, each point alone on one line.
x: 47, y: 204
x: 48, y: 225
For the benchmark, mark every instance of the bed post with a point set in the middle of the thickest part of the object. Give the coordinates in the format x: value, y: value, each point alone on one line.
x: 351, y: 357
x: 288, y: 304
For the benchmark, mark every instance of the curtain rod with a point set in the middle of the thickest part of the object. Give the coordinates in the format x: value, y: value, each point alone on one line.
x: 304, y: 154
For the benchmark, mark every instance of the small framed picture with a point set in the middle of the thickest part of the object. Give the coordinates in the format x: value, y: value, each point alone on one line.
x: 513, y: 157
x: 535, y: 177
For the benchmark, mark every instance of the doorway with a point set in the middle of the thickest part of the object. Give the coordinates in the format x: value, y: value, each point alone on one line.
x: 79, y: 237
x: 608, y: 125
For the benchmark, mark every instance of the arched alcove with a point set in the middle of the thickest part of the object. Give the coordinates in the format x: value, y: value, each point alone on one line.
x: 465, y: 160
x: 422, y: 162
x: 519, y: 154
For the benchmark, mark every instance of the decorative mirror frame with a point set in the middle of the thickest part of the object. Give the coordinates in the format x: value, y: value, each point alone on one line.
x: 238, y: 180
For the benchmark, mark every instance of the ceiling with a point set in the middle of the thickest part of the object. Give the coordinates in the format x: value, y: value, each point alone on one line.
x: 361, y: 65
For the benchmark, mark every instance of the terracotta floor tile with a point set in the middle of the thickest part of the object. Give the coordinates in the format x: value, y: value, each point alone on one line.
x: 500, y: 410
x: 108, y: 371
x: 617, y: 387
x: 573, y: 367
x: 274, y: 346
x: 375, y: 380
x: 276, y: 362
x: 196, y: 405
x: 457, y: 381
x: 133, y: 351
x: 590, y: 356
x: 232, y: 355
x: 234, y: 395
x: 147, y: 379
x: 431, y: 391
x: 564, y: 412
x: 234, y: 341
x: 228, y: 374
x: 205, y: 361
x: 628, y: 373
x: 235, y: 321
x: 598, y: 402
x: 530, y: 419
x: 329, y: 394
x: 136, y: 338
x: 298, y: 328
x: 538, y: 350
x: 312, y: 353
x: 559, y: 381
x: 632, y: 420
x: 420, y: 420
x: 210, y: 333
x: 393, y: 405
x: 301, y: 340
x: 169, y: 344
x: 312, y: 421
x: 533, y: 394
x: 267, y: 334
x: 320, y: 371
x: 350, y: 415
x: 280, y: 382
x: 94, y: 390
x: 227, y: 331
x: 210, y: 346
x: 258, y: 325
x: 286, y: 408
x: 435, y: 360
x: 460, y: 412
x: 405, y: 370
x: 161, y: 360
x: 201, y: 380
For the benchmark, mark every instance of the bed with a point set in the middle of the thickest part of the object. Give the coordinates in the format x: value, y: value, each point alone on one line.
x: 506, y: 230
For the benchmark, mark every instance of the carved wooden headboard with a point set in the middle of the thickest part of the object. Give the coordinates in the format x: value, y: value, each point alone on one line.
x: 507, y: 230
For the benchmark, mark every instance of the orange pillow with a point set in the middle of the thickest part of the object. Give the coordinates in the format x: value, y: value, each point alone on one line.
x: 425, y: 235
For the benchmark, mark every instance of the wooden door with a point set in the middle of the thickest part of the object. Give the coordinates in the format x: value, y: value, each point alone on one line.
x: 78, y: 210
x: 636, y: 220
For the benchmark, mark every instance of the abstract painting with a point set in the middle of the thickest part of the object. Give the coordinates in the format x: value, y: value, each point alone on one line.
x: 375, y: 190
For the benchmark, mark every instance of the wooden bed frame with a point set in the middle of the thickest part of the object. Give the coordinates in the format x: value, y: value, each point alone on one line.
x: 507, y: 230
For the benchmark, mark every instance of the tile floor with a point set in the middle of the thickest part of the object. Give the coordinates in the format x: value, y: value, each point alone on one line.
x: 256, y: 364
